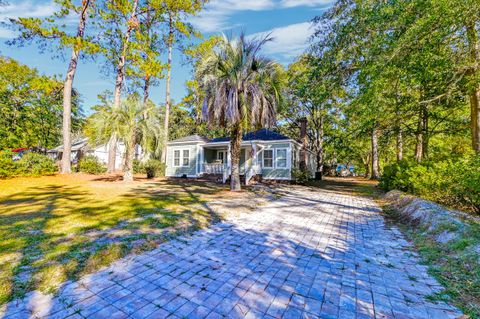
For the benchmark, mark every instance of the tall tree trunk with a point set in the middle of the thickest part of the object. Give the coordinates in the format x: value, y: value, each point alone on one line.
x: 235, y: 148
x: 67, y: 95
x: 375, y: 163
x: 167, y: 90
x: 474, y: 49
x: 399, y: 143
x: 366, y: 162
x: 320, y: 147
x: 129, y: 157
x: 112, y: 144
x: 146, y: 89
x: 425, y: 134
x: 419, y: 138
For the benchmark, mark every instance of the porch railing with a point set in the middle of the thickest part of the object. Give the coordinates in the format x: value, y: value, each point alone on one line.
x: 250, y: 172
x: 213, y: 168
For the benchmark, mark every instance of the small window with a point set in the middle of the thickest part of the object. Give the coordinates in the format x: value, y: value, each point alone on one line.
x: 268, y: 158
x: 281, y: 158
x: 176, y: 158
x: 186, y: 157
x: 220, y: 156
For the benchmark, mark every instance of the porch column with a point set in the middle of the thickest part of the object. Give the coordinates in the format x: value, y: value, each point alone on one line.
x: 227, y: 171
x: 202, y: 159
x: 250, y: 171
x: 229, y: 162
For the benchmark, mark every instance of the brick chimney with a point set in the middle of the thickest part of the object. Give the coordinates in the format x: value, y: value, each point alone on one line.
x: 303, y: 141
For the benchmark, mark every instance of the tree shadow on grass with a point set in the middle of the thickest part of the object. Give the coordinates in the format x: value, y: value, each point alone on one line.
x: 58, y: 232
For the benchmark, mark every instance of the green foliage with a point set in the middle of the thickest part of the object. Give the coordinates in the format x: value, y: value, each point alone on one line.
x: 301, y: 177
x: 7, y: 165
x: 236, y: 64
x: 398, y: 176
x: 52, y: 32
x: 138, y: 167
x: 133, y: 122
x: 154, y: 168
x: 454, y: 183
x: 91, y: 165
x: 35, y: 164
x: 31, y: 107
x: 31, y: 164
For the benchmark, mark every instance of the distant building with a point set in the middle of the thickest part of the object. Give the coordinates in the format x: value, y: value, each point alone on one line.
x: 81, y: 147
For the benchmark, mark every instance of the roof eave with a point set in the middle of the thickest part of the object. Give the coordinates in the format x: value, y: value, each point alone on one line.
x: 186, y: 142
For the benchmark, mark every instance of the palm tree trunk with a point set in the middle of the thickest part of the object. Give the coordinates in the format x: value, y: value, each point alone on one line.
x: 167, y: 90
x: 112, y: 144
x: 475, y: 92
x: 67, y: 95
x: 235, y: 147
x: 129, y: 157
x: 375, y: 162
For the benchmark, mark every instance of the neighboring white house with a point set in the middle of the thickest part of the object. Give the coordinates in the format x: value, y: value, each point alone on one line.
x: 264, y: 153
x: 81, y: 147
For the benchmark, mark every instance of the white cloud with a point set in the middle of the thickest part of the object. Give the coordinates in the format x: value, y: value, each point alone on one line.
x: 217, y: 13
x: 305, y: 3
x: 288, y: 41
x: 24, y: 8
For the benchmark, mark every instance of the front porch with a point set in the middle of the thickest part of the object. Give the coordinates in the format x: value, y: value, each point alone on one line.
x: 216, y: 161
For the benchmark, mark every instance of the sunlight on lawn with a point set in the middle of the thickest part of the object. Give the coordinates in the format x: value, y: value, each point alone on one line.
x: 59, y: 227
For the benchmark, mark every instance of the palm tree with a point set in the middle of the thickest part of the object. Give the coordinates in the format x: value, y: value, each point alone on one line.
x: 134, y: 123
x: 241, y: 90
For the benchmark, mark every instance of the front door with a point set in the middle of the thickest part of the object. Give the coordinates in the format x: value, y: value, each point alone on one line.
x: 244, y: 156
x: 222, y: 156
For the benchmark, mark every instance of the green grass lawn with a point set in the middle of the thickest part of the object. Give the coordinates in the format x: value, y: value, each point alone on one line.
x: 59, y: 227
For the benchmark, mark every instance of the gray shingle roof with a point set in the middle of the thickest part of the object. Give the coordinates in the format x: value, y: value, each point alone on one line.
x: 76, y: 145
x: 191, y: 138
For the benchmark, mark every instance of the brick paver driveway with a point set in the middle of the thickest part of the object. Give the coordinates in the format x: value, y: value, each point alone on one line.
x: 307, y: 255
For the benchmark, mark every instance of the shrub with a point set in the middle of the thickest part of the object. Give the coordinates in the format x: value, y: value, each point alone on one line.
x: 138, y: 167
x: 154, y: 168
x: 452, y: 183
x: 35, y: 164
x: 8, y: 167
x: 91, y: 165
x: 397, y: 176
x: 466, y: 185
x: 301, y: 176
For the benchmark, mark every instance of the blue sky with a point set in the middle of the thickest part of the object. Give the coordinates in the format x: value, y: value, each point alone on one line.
x: 287, y: 20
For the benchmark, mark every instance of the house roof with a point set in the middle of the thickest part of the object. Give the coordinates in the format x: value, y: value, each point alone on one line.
x: 260, y: 135
x: 76, y: 145
x: 190, y: 138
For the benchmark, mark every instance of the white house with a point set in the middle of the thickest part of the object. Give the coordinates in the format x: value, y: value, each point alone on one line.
x: 81, y: 147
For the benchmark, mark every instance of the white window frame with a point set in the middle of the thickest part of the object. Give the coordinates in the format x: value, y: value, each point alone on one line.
x: 273, y: 158
x: 179, y: 157
x: 187, y: 157
x: 286, y: 158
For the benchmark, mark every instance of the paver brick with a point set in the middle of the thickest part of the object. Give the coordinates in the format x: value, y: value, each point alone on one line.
x: 310, y: 254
